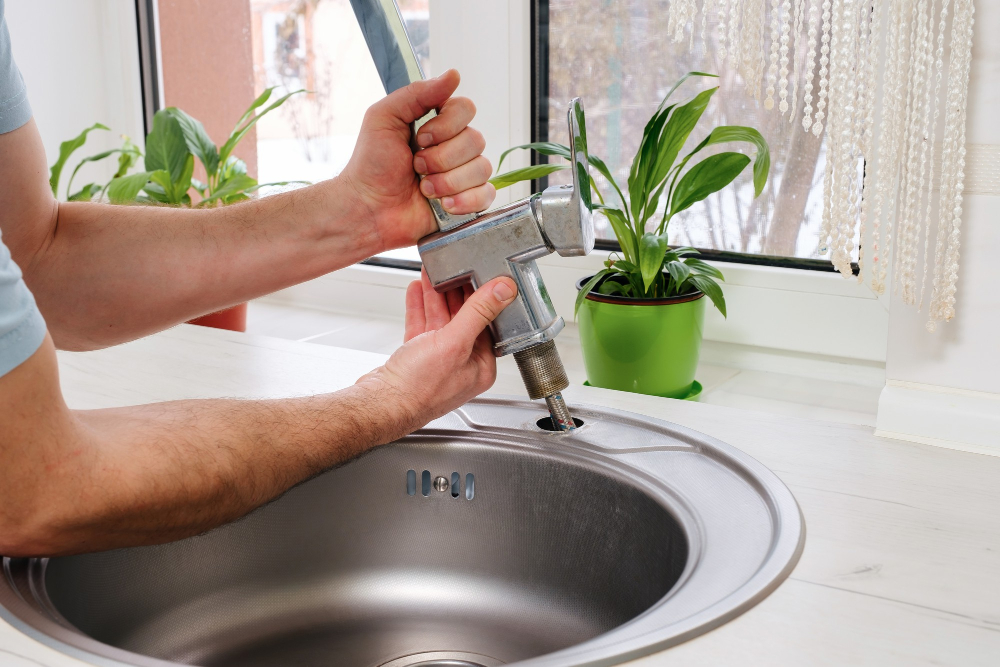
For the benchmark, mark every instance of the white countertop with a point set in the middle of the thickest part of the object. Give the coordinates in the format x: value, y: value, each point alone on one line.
x: 902, y: 557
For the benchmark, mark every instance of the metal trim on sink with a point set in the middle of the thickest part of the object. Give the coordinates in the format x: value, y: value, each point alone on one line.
x: 720, y: 497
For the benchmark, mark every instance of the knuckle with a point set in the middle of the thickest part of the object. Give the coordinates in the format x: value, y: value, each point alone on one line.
x: 478, y: 140
x: 467, y: 105
x: 431, y: 160
x: 486, y: 166
x: 484, y: 308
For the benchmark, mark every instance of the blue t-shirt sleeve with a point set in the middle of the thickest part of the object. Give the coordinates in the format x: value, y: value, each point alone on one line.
x: 22, y: 328
x: 14, y: 108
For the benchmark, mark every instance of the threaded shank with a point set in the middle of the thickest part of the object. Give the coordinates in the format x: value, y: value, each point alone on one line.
x: 542, y: 370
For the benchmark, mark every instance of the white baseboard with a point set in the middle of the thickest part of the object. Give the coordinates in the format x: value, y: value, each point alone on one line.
x: 941, y: 416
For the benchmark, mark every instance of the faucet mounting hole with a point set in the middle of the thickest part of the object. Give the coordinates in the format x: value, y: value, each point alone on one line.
x: 545, y: 423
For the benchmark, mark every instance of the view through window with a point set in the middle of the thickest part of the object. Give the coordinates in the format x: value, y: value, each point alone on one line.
x: 317, y: 45
x: 620, y: 58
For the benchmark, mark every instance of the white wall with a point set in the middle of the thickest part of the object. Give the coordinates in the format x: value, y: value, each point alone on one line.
x: 944, y: 387
x: 80, y: 61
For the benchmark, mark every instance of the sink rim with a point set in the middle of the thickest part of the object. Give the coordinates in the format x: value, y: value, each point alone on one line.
x: 44, y: 623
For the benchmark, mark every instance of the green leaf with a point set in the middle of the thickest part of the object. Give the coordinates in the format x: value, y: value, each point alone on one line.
x: 525, y: 174
x: 125, y: 189
x: 704, y: 268
x: 130, y: 154
x: 602, y: 168
x: 66, y: 149
x: 175, y: 192
x: 543, y: 147
x: 256, y: 104
x: 611, y: 287
x: 680, y: 272
x: 625, y: 266
x: 652, y: 248
x: 642, y: 163
x: 238, y: 184
x: 587, y: 286
x: 762, y: 161
x: 624, y: 234
x: 675, y: 135
x: 682, y: 80
x: 197, y: 139
x: 92, y: 158
x: 250, y: 120
x: 86, y: 193
x: 711, y: 290
x: 707, y: 177
x: 166, y: 148
x: 276, y: 184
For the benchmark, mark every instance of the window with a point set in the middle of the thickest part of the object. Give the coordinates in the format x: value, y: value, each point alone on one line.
x: 619, y: 57
x: 317, y: 45
x: 291, y: 45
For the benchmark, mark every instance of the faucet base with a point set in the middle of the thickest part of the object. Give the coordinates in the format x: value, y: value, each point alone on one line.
x: 545, y: 377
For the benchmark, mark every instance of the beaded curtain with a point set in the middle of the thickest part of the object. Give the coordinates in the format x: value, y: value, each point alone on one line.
x: 898, y: 181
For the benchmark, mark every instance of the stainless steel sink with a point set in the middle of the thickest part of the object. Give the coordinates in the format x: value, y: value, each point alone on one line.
x: 480, y: 540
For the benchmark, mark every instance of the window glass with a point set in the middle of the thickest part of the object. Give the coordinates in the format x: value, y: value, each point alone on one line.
x: 317, y: 45
x: 620, y: 58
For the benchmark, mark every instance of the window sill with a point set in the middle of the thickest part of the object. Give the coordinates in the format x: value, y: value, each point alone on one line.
x: 774, y: 309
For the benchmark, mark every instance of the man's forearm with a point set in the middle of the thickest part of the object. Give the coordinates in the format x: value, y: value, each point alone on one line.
x: 155, y: 473
x: 108, y: 274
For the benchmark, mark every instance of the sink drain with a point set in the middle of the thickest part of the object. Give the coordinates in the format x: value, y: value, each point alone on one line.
x: 444, y: 659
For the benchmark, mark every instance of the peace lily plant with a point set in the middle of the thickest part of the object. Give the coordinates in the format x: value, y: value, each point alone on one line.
x: 626, y: 345
x: 168, y: 176
x: 171, y: 148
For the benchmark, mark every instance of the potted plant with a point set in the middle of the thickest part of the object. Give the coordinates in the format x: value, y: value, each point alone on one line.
x: 168, y: 179
x: 641, y: 316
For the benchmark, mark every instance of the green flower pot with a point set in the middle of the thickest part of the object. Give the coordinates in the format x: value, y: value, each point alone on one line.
x: 647, y: 346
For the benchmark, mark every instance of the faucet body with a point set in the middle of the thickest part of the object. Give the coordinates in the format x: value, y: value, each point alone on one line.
x: 503, y: 242
x: 506, y: 242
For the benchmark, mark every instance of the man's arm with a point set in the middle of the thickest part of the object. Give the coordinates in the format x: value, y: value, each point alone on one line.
x: 107, y: 274
x: 77, y: 481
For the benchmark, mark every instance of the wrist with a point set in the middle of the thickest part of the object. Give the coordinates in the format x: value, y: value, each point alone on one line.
x: 356, y: 213
x: 399, y: 412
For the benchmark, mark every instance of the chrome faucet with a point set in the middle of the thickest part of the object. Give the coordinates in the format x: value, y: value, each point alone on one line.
x: 506, y: 241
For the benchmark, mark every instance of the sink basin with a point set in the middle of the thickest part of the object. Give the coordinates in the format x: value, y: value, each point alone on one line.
x: 480, y: 540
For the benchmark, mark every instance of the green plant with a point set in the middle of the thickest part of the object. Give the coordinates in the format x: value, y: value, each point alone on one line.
x: 648, y: 267
x: 171, y: 148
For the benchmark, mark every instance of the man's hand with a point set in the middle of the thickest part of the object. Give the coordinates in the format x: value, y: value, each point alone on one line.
x: 447, y: 357
x: 383, y: 170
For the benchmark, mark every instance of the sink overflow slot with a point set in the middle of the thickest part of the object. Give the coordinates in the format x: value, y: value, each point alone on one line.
x: 440, y: 484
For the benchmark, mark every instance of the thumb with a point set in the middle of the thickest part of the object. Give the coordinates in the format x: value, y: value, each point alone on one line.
x: 480, y: 309
x: 414, y: 101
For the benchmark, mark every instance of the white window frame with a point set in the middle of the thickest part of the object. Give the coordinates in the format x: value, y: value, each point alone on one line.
x: 780, y: 310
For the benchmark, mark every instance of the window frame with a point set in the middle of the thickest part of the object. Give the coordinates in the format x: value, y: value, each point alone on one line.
x: 540, y: 132
x: 777, y: 306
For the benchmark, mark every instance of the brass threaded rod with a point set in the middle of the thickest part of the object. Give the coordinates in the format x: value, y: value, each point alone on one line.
x: 544, y: 377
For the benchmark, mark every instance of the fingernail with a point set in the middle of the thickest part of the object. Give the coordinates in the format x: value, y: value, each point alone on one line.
x: 448, y: 202
x: 420, y: 165
x: 427, y: 188
x: 503, y: 292
x: 424, y: 139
